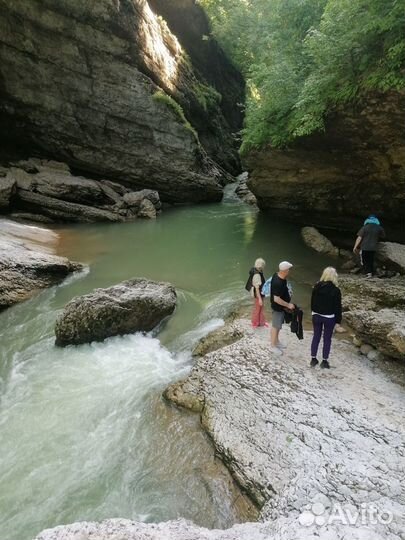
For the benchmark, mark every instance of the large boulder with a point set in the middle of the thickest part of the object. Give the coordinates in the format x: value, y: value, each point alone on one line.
x: 131, y: 306
x: 334, y: 178
x: 111, y: 91
x: 392, y: 256
x: 317, y: 241
x: 384, y: 329
x: 27, y: 262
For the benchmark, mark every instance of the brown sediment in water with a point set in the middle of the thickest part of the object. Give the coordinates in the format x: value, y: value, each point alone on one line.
x: 72, y: 243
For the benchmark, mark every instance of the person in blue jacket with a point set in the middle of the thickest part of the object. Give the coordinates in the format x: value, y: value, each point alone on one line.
x: 366, y: 243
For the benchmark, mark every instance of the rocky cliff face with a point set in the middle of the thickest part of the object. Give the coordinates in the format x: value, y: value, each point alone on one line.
x: 98, y: 86
x: 333, y: 179
x: 193, y: 31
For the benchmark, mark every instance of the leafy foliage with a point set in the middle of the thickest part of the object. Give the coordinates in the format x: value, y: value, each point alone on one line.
x: 303, y: 57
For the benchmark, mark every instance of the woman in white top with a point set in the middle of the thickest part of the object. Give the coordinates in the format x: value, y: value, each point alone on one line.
x: 258, y: 280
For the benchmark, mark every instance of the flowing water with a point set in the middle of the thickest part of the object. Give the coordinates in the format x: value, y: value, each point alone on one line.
x: 84, y: 432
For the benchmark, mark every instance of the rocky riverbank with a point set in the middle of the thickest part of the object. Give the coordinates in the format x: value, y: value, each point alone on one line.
x: 314, y: 449
x: 374, y: 308
x: 27, y: 262
x: 46, y: 191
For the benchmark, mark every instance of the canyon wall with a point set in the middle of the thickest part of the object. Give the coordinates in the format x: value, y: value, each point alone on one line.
x: 109, y: 89
x: 335, y: 178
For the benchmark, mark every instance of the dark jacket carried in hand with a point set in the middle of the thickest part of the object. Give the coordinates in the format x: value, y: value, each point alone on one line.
x: 327, y: 300
x: 294, y: 318
x: 296, y: 322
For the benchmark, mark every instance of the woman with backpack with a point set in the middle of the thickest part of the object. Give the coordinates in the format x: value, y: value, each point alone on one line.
x: 254, y: 286
x: 326, y: 306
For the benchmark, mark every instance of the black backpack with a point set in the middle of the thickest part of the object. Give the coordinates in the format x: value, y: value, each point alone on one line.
x: 249, y: 283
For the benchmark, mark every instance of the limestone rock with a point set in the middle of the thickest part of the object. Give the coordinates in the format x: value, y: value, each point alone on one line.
x: 27, y: 264
x: 279, y: 426
x: 293, y: 437
x: 361, y: 293
x: 225, y: 335
x: 365, y: 349
x: 131, y: 306
x: 7, y: 190
x: 82, y: 85
x: 124, y: 529
x: 392, y: 256
x: 384, y: 329
x: 317, y: 241
x: 242, y: 190
x: 46, y: 190
x: 374, y: 355
x: 147, y: 210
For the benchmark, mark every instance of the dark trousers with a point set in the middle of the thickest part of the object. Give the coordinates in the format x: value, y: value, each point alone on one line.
x: 367, y: 260
x: 325, y: 326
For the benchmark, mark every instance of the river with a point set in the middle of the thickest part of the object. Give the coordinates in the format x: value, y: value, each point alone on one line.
x: 85, y: 434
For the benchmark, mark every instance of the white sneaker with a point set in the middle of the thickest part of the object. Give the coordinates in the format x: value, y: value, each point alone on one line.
x: 281, y: 345
x: 276, y: 351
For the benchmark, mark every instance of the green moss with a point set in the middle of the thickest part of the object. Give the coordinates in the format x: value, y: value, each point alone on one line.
x: 207, y: 96
x: 162, y: 97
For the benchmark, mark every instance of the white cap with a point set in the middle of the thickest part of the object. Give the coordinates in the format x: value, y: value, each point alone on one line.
x: 285, y: 265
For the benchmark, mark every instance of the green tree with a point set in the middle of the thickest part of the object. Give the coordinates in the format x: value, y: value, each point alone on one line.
x: 301, y: 58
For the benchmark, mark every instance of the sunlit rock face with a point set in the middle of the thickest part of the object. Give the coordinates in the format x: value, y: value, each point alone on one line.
x: 226, y: 115
x: 78, y: 83
x: 335, y: 178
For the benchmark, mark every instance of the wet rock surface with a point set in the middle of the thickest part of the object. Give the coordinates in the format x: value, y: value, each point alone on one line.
x: 79, y: 84
x: 47, y: 191
x: 302, y: 442
x: 27, y: 262
x: 131, y: 306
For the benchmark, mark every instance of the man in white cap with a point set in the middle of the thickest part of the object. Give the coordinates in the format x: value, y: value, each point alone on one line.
x: 280, y: 301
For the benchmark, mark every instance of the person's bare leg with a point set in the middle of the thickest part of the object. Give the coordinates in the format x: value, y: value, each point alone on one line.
x: 274, y: 336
